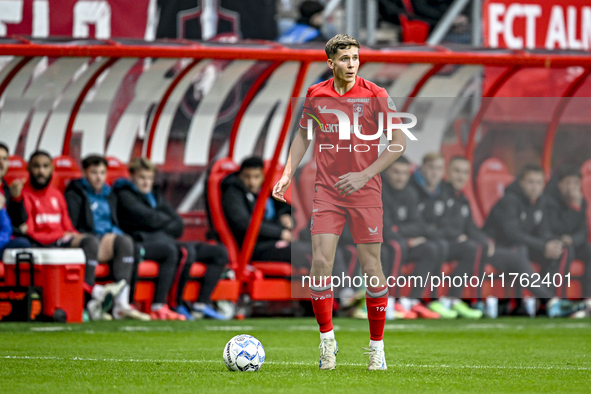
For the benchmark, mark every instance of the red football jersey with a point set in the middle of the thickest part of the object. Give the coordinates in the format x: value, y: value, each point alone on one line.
x: 336, y: 156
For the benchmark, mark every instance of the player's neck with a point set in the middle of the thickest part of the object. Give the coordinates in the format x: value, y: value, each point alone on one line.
x: 341, y: 86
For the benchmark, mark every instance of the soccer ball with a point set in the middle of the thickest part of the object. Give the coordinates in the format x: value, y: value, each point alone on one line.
x: 244, y: 353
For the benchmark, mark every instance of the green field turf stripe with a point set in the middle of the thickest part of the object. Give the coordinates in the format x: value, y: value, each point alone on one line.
x: 390, y: 365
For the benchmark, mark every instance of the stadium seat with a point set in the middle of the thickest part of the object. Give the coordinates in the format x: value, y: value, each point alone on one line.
x: 413, y: 30
x: 17, y: 169
x: 269, y: 287
x: 65, y: 169
x: 115, y: 170
x: 491, y: 182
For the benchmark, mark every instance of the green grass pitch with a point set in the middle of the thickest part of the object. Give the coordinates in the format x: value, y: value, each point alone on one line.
x: 503, y: 355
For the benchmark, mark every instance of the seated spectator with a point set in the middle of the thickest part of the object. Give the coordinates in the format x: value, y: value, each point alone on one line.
x: 154, y: 223
x: 307, y: 27
x: 239, y: 195
x: 12, y: 210
x: 519, y: 220
x: 458, y: 221
x: 93, y: 209
x: 567, y: 216
x: 434, y: 194
x: 404, y: 225
x: 49, y: 225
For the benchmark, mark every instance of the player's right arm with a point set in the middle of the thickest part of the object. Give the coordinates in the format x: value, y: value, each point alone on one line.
x: 297, y: 151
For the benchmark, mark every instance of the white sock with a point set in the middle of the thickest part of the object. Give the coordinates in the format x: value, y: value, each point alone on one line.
x: 122, y: 300
x: 378, y: 344
x: 156, y: 307
x: 327, y: 335
x: 97, y: 292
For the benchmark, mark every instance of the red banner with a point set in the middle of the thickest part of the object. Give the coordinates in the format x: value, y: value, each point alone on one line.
x: 75, y: 18
x: 560, y: 24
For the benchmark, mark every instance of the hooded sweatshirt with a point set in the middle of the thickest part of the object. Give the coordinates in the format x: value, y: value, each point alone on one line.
x: 565, y: 219
x: 515, y: 220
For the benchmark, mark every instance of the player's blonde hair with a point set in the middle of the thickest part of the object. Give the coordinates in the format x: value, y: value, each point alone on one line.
x: 141, y: 163
x: 432, y: 156
x: 340, y: 41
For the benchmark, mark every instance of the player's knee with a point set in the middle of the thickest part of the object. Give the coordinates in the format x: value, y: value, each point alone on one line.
x: 322, y: 263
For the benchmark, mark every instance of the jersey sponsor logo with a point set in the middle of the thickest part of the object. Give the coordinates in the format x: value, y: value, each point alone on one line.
x: 334, y: 128
x: 358, y: 100
x: 373, y: 231
x: 42, y: 218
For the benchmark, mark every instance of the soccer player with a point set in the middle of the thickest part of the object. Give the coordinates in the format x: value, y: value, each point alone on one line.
x: 347, y: 189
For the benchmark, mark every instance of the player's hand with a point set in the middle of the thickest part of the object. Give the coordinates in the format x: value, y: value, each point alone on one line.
x: 2, y: 201
x: 286, y: 235
x: 16, y: 187
x: 351, y: 182
x: 286, y: 221
x: 567, y: 239
x: 416, y: 241
x: 553, y: 249
x: 462, y: 238
x: 491, y: 248
x: 23, y: 228
x: 281, y: 187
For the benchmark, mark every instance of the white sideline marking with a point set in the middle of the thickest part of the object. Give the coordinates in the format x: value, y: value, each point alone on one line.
x: 50, y: 329
x: 229, y: 328
x: 181, y: 361
x: 144, y: 328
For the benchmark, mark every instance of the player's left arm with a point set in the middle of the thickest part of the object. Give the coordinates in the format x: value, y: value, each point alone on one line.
x: 353, y: 181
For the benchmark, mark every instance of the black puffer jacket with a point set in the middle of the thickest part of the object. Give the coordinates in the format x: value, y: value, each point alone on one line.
x: 458, y: 218
x: 238, y: 204
x: 431, y: 207
x: 402, y: 219
x: 143, y: 222
x: 565, y: 219
x: 517, y: 221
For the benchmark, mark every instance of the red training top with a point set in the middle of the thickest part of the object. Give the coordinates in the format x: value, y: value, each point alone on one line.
x: 47, y: 214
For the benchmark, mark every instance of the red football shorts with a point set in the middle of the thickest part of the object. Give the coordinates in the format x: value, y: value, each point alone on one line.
x: 365, y: 223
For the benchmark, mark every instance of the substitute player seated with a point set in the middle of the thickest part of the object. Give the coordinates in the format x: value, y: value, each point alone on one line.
x: 49, y: 225
x: 434, y: 197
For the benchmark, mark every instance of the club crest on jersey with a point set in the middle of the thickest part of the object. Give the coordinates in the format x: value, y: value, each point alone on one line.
x: 358, y: 109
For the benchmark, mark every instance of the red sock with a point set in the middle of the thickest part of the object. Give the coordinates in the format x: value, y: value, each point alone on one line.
x: 376, y: 300
x: 322, y: 300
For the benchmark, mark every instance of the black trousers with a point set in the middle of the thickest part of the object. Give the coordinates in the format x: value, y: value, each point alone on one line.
x: 467, y: 254
x: 508, y: 261
x: 215, y: 257
x: 425, y: 256
x: 268, y: 251
x: 166, y: 254
x: 583, y: 253
x: 560, y: 266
